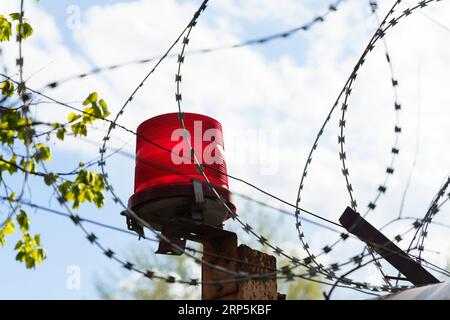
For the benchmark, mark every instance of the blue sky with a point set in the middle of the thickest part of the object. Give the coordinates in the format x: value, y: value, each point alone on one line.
x: 65, y: 244
x: 285, y: 87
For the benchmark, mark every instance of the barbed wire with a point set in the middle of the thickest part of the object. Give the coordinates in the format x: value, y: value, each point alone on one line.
x: 397, y: 130
x: 278, y: 251
x: 109, y: 253
x: 115, y: 124
x: 246, y: 227
x: 395, y: 149
x: 178, y: 96
x: 111, y: 227
x: 264, y: 241
x: 346, y: 91
x: 131, y: 212
x: 150, y: 274
x: 360, y: 265
x: 91, y: 236
x: 248, y: 197
x: 181, y: 58
x: 178, y: 78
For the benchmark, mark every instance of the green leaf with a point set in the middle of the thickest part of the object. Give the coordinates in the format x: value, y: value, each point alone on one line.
x: 104, y: 107
x: 24, y: 29
x: 37, y: 238
x: 50, y: 178
x: 29, y: 250
x: 28, y: 165
x: 60, y: 133
x: 11, y: 197
x: 72, y: 117
x: 15, y: 16
x: 7, y: 88
x: 11, y: 168
x: 7, y: 229
x: 24, y: 221
x: 8, y: 166
x: 81, y: 129
x: 87, y: 187
x: 42, y: 152
x: 93, y: 97
x: 5, y: 29
x: 96, y: 111
x: 18, y: 244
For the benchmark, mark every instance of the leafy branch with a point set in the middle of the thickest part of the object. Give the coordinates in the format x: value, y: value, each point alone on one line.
x: 17, y: 132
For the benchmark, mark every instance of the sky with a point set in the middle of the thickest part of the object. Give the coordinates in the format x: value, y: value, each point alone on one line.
x: 271, y: 101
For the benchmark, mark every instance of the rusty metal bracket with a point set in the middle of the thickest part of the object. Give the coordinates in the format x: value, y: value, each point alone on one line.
x: 413, y: 271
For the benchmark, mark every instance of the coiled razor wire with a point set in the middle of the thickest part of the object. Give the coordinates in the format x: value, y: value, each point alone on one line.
x: 193, y: 282
x: 109, y: 253
x: 390, y: 170
x: 346, y: 91
x: 76, y: 219
x: 357, y: 283
x: 262, y: 40
x: 381, y: 31
x: 179, y: 99
x: 394, y: 151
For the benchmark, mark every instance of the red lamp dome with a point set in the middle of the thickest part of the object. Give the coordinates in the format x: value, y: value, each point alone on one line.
x: 165, y: 171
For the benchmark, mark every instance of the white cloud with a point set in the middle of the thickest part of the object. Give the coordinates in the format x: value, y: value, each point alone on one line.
x: 290, y: 93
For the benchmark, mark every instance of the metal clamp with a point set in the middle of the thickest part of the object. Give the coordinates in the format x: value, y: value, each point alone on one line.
x: 199, y: 200
x: 133, y: 225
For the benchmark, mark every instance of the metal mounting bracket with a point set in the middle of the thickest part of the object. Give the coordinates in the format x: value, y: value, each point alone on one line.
x: 358, y: 226
x: 198, y: 206
x: 133, y: 225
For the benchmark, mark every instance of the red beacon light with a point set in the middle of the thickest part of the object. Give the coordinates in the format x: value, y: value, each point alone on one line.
x: 169, y: 192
